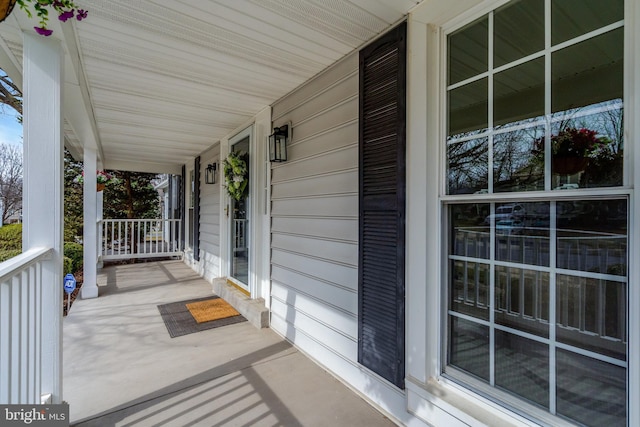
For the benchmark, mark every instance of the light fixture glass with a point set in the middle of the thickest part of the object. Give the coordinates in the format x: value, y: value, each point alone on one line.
x: 278, y: 144
x: 210, y: 173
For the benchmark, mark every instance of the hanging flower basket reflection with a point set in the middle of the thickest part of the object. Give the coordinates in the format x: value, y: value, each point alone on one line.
x: 571, y: 150
x: 568, y: 165
x: 6, y: 7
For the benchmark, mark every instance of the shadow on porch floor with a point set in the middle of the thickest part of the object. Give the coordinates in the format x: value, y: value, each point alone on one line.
x: 121, y: 368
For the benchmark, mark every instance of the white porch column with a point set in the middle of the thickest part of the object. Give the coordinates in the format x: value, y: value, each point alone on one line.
x: 43, y: 190
x: 90, y: 235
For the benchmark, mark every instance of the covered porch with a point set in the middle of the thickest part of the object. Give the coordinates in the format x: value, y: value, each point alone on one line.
x: 122, y: 368
x: 158, y: 87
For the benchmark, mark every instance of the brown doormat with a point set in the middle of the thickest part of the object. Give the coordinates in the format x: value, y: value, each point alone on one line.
x: 211, y: 309
x: 179, y: 320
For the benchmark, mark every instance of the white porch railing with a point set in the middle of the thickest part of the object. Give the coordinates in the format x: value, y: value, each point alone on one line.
x: 139, y: 238
x: 22, y: 340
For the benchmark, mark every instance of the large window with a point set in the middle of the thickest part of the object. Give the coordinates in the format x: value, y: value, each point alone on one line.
x: 537, y: 208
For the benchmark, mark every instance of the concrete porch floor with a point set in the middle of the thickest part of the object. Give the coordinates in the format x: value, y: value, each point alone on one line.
x: 121, y: 368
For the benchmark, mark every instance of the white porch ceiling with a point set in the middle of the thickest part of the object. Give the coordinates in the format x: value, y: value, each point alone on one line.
x: 153, y: 83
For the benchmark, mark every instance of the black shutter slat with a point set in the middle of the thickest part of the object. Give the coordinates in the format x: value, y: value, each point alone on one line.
x: 181, y: 204
x: 382, y: 206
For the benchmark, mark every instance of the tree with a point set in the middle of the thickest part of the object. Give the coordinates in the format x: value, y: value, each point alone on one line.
x: 10, y: 180
x: 73, y: 202
x: 10, y: 94
x: 131, y: 195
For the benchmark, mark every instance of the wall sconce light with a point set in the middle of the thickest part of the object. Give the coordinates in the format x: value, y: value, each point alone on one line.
x: 278, y: 143
x: 210, y: 173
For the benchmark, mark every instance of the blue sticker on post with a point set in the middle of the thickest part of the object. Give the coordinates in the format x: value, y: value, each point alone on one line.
x: 69, y: 283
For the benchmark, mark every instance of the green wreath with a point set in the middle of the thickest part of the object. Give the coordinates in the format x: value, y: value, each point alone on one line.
x: 236, y: 175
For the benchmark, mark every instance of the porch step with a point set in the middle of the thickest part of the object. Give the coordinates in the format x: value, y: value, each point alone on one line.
x: 253, y: 309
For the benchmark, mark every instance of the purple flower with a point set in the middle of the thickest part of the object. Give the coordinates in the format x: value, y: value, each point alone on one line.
x: 66, y: 15
x: 57, y: 3
x: 43, y: 31
x: 81, y: 14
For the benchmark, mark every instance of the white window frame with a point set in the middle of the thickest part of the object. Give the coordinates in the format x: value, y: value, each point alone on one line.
x: 433, y: 23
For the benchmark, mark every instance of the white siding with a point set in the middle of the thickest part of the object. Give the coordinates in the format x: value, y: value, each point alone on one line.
x: 209, y: 266
x: 314, y: 210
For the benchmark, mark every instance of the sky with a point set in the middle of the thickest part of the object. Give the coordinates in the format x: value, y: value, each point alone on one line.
x: 10, y: 129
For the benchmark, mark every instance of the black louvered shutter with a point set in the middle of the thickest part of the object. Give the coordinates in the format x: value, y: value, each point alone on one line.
x: 181, y: 204
x: 196, y: 209
x: 382, y: 206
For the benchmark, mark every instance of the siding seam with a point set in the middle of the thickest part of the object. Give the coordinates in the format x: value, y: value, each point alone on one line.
x: 344, y: 78
x: 316, y: 320
x: 324, y: 111
x: 307, y: 236
x: 319, y: 279
x: 354, y: 316
x: 321, y: 133
x: 317, y: 258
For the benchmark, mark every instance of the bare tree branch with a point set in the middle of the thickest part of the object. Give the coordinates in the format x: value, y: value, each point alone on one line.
x: 9, y: 93
x: 10, y: 180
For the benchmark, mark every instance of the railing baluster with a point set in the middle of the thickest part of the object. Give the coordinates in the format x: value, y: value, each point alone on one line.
x: 21, y: 327
x: 145, y: 238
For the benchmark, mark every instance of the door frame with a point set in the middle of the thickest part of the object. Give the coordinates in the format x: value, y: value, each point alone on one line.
x: 225, y: 235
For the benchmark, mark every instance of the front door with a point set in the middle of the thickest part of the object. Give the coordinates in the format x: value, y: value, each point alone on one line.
x: 239, y: 216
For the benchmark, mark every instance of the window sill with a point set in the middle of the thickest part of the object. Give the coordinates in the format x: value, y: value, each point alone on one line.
x: 442, y: 402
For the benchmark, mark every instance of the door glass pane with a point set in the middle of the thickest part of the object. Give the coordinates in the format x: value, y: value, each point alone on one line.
x: 240, y: 224
x: 573, y: 18
x: 519, y: 30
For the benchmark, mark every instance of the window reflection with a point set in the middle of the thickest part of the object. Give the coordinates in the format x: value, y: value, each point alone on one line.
x: 522, y: 300
x: 518, y: 93
x: 518, y: 31
x: 587, y: 147
x: 469, y: 108
x: 592, y: 236
x: 573, y: 18
x: 590, y: 391
x: 522, y: 233
x: 524, y: 367
x: 468, y: 166
x: 469, y: 347
x: 515, y: 166
x: 469, y: 51
x: 591, y: 314
x: 471, y: 231
x: 470, y: 289
x: 588, y: 73
x: 513, y: 266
